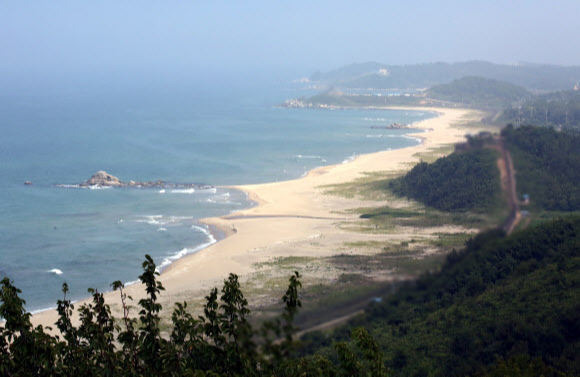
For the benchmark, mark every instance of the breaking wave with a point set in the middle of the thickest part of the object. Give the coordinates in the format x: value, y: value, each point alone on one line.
x: 210, y: 240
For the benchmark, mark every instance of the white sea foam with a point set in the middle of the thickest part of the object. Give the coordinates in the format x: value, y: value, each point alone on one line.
x: 417, y: 139
x: 162, y: 191
x: 56, y: 271
x: 221, y: 199
x: 151, y: 220
x: 216, y: 200
x: 97, y: 187
x: 349, y: 159
x: 203, y: 230
x: 162, y: 229
x: 92, y: 187
x: 308, y: 157
x: 183, y: 191
x: 33, y: 312
x: 185, y: 251
x: 161, y: 221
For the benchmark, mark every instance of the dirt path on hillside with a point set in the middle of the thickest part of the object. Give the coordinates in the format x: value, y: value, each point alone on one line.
x: 508, y: 184
x: 510, y: 189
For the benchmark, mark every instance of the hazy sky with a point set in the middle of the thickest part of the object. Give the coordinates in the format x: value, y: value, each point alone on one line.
x: 67, y: 39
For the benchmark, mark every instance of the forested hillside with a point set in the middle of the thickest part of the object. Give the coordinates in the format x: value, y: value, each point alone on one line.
x: 501, y: 306
x: 547, y: 164
x: 558, y: 109
x: 479, y: 91
x: 458, y: 182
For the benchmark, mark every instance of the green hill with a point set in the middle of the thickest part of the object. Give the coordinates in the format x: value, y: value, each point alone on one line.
x: 458, y: 182
x: 559, y: 109
x: 547, y: 165
x: 479, y: 91
x: 506, y: 304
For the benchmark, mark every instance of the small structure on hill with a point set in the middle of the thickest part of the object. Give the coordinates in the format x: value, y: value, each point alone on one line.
x: 525, y: 199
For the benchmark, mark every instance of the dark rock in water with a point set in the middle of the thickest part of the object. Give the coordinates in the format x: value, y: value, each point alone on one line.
x: 27, y: 183
x: 102, y: 178
x: 393, y: 126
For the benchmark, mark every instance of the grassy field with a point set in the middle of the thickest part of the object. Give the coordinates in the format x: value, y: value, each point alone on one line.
x: 416, y: 240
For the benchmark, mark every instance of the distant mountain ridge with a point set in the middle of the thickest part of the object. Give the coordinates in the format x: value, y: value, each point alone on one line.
x: 535, y: 77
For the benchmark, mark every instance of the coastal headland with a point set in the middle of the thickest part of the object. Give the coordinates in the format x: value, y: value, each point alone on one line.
x: 304, y: 220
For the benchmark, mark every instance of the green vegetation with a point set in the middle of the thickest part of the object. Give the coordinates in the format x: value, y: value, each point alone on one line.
x: 369, y: 187
x: 384, y: 218
x: 458, y: 182
x: 221, y: 342
x: 502, y: 306
x: 479, y: 91
x: 558, y: 109
x: 547, y: 165
x: 445, y: 240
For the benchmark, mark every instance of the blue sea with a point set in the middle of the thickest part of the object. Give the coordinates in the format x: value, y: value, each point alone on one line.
x: 214, y: 136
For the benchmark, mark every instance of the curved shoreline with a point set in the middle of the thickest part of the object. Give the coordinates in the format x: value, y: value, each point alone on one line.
x: 286, y: 213
x: 255, y: 198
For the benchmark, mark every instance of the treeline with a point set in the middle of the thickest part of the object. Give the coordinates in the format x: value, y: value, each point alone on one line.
x: 458, y: 182
x: 547, y: 165
x: 558, y: 109
x: 480, y: 92
x: 504, y: 306
x: 221, y: 342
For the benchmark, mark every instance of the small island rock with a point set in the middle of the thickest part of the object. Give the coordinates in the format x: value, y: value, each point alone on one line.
x: 102, y: 178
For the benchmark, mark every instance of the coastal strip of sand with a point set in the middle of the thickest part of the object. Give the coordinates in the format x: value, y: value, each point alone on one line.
x: 291, y: 218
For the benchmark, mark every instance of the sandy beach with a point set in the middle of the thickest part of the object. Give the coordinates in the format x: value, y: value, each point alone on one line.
x: 294, y: 218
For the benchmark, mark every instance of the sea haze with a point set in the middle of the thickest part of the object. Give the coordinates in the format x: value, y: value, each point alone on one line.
x: 219, y: 136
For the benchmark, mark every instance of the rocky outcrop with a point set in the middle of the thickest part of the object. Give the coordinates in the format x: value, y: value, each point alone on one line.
x: 392, y: 126
x: 102, y: 178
